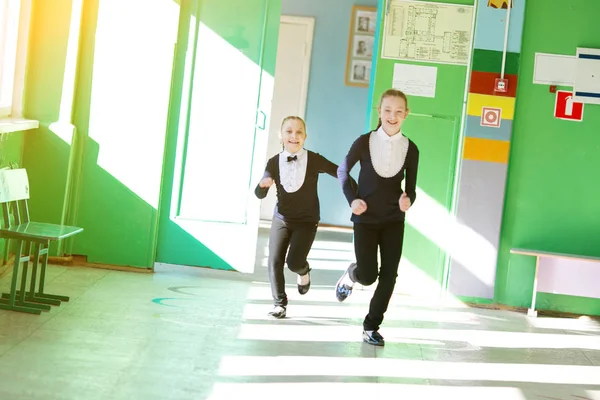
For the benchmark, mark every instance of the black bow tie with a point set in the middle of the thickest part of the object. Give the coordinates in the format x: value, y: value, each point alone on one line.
x: 292, y: 158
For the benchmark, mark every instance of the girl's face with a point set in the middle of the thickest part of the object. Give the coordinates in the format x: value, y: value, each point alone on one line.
x: 392, y: 112
x: 293, y: 135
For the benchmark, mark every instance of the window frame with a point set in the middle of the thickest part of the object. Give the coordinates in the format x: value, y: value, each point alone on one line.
x: 14, y: 39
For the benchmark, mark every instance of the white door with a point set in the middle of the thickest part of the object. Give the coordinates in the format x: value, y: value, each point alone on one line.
x: 291, y: 86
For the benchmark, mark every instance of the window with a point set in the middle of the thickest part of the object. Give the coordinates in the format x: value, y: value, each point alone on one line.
x: 14, y: 27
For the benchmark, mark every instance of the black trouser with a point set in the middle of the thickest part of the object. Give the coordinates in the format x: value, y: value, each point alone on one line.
x: 299, y: 237
x: 367, y: 239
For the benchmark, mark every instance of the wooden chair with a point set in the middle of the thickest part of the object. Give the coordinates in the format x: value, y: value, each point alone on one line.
x: 25, y: 234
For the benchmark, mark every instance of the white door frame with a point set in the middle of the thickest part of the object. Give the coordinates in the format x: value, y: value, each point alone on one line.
x: 310, y: 23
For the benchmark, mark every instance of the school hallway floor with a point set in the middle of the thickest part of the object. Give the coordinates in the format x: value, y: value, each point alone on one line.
x: 192, y: 333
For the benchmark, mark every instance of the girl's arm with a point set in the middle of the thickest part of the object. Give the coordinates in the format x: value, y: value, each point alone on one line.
x: 261, y: 192
x: 412, y: 167
x: 326, y: 166
x: 349, y: 186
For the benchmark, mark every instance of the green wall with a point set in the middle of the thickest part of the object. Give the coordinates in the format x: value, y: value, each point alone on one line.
x: 11, y: 148
x: 102, y: 172
x: 46, y: 155
x: 39, y: 150
x: 552, y: 189
x: 434, y: 125
x: 551, y: 169
x: 11, y: 151
x: 551, y: 192
x: 96, y: 160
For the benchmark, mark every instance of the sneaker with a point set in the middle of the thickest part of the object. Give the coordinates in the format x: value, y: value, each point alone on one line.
x: 278, y: 312
x: 373, y: 337
x: 303, y: 289
x: 342, y: 291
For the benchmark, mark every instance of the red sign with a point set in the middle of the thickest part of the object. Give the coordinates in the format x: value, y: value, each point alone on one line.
x: 491, y: 116
x: 501, y: 85
x: 566, y: 108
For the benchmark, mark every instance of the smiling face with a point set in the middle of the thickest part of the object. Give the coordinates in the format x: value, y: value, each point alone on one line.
x: 293, y: 134
x: 393, y: 111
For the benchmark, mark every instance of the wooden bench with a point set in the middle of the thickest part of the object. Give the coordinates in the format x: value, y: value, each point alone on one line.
x: 574, y: 259
x: 26, y: 236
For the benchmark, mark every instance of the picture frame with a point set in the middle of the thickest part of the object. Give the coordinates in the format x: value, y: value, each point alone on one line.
x: 361, y: 42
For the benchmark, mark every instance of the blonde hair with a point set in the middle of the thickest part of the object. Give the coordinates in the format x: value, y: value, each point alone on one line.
x: 292, y: 118
x: 392, y: 93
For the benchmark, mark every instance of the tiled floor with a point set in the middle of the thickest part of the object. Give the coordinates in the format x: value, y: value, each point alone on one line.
x: 189, y: 333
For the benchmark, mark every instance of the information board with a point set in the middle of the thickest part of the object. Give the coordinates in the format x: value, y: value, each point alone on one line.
x: 428, y: 32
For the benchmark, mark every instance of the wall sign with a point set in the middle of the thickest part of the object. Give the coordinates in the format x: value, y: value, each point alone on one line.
x: 567, y: 108
x: 491, y: 116
x: 501, y: 85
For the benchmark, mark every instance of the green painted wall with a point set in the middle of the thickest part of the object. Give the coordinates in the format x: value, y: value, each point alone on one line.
x: 11, y: 151
x: 46, y: 155
x: 106, y: 173
x: 93, y: 176
x: 552, y: 189
x: 434, y: 125
x: 11, y: 148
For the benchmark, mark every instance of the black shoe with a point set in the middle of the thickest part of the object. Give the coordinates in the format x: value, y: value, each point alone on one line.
x: 342, y: 291
x: 374, y: 338
x: 278, y: 312
x: 303, y: 289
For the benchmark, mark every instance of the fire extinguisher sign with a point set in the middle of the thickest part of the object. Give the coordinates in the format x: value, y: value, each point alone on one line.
x: 566, y: 108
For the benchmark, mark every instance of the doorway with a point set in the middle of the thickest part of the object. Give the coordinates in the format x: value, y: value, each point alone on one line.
x: 217, y: 133
x: 291, y: 86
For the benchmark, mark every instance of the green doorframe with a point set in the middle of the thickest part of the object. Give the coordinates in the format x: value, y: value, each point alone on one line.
x: 189, y: 74
x: 173, y: 119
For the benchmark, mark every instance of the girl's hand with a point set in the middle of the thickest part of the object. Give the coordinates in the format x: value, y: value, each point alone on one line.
x: 358, y: 206
x: 404, y: 202
x: 266, y: 182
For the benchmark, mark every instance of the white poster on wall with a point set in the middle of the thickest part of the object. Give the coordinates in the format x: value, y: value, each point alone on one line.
x: 428, y: 32
x: 415, y: 80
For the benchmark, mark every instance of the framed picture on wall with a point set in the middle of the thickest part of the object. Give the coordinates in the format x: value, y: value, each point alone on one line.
x: 361, y: 41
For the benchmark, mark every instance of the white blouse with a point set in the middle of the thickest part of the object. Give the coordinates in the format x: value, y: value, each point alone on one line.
x: 292, y: 173
x: 388, y: 153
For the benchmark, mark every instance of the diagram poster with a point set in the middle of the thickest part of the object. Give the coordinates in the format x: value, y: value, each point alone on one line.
x: 428, y: 32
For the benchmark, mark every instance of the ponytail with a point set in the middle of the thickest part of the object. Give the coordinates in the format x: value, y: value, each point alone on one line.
x: 378, y: 124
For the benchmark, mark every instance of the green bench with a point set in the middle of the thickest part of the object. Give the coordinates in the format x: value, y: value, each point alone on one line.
x: 26, y: 236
